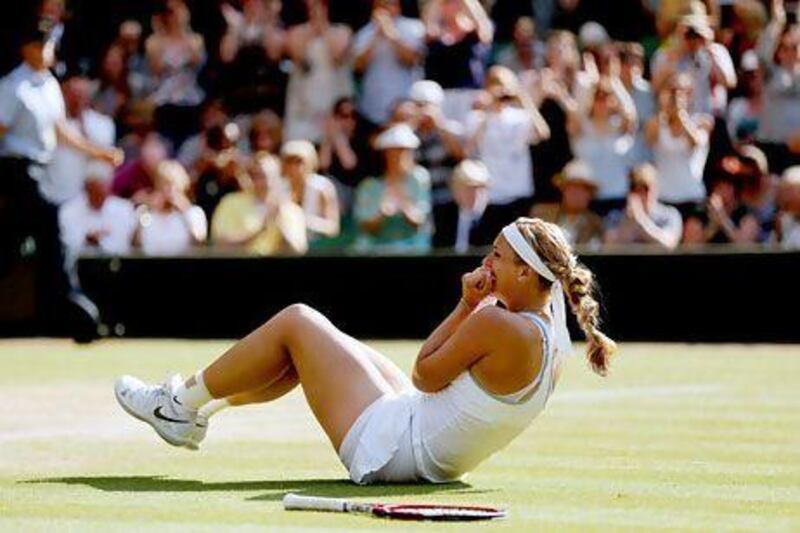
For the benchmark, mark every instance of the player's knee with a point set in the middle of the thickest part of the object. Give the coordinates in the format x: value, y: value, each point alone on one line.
x: 298, y: 313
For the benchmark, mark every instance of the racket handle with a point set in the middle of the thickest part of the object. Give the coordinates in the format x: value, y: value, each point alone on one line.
x: 295, y: 502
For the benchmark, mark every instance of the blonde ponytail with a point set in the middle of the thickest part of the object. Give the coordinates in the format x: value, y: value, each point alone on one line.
x: 550, y: 244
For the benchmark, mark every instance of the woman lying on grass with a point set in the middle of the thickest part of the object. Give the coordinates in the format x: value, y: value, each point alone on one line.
x: 479, y: 380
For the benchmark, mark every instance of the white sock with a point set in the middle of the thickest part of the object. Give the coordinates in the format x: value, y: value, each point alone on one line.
x: 195, y: 396
x: 213, y: 407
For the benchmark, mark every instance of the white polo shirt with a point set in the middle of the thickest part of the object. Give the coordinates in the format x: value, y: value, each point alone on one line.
x: 31, y: 104
x: 67, y: 170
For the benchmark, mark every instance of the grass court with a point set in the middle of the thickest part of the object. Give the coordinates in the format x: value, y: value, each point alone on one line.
x: 679, y: 437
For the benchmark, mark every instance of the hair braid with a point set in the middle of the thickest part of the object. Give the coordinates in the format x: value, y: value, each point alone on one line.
x: 550, y: 244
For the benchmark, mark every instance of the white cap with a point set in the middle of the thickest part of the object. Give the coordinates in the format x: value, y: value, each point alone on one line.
x: 577, y: 171
x: 398, y: 136
x: 593, y: 34
x: 749, y: 61
x: 471, y: 173
x: 698, y: 23
x: 99, y: 171
x: 301, y: 149
x: 791, y: 176
x: 427, y: 92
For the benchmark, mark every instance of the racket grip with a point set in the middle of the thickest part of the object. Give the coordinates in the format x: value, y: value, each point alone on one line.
x: 295, y: 502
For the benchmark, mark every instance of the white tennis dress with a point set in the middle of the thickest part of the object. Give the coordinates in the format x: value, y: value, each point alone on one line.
x: 441, y: 436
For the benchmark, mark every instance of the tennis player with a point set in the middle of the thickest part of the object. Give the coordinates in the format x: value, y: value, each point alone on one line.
x: 479, y: 379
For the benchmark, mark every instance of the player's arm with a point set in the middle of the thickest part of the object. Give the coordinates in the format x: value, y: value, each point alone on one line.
x: 475, y: 286
x: 479, y: 335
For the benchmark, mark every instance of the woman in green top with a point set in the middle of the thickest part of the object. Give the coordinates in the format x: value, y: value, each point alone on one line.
x: 393, y: 212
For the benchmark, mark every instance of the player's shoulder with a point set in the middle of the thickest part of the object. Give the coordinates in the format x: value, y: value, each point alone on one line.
x: 505, y: 325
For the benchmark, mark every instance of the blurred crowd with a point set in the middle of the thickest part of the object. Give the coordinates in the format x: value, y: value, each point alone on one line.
x: 406, y: 127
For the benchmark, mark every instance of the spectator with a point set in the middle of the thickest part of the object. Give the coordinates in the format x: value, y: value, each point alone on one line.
x: 759, y: 189
x: 316, y: 194
x: 525, y: 52
x: 645, y: 220
x: 779, y: 128
x: 500, y: 136
x: 212, y: 114
x: 593, y: 37
x: 456, y: 221
x: 393, y: 211
x: 563, y: 64
x: 138, y: 120
x: 32, y: 123
x: 67, y: 170
x: 578, y: 188
x: 459, y: 37
x: 256, y: 220
x: 96, y: 220
x: 729, y: 219
x: 788, y: 227
x: 632, y: 75
x: 745, y: 111
x: 321, y: 72
x: 137, y: 178
x: 129, y: 42
x: 602, y: 136
x: 265, y: 136
x: 113, y: 93
x: 175, y: 54
x: 440, y: 141
x: 679, y: 140
x: 169, y: 224
x: 692, y: 51
x: 388, y: 52
x: 251, y: 51
x: 403, y: 111
x: 221, y: 168
x: 344, y: 154
x: 741, y: 22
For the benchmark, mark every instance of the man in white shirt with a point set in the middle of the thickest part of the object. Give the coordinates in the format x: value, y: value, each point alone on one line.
x: 32, y: 123
x: 95, y: 220
x: 387, y: 51
x: 67, y: 170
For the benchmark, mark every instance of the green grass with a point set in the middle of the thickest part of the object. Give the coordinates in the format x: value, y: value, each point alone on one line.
x: 678, y: 437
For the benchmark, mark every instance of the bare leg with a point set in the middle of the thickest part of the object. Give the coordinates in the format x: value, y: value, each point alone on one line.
x: 272, y: 391
x: 267, y: 393
x: 336, y: 371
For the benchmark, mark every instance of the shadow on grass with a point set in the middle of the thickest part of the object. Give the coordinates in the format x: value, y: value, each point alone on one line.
x: 275, y: 489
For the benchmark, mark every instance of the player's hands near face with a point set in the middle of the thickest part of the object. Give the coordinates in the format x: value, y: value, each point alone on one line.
x: 476, y: 285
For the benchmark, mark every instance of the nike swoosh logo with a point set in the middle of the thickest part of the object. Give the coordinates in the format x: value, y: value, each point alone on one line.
x: 157, y: 414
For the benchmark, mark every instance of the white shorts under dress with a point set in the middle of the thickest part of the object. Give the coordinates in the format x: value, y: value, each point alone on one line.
x: 378, y: 446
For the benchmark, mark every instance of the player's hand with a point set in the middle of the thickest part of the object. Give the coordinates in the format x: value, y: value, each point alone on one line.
x: 476, y: 285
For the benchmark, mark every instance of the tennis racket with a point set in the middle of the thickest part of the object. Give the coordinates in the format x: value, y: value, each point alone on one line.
x: 399, y: 511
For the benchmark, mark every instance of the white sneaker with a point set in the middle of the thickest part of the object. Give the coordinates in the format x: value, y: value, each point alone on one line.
x: 198, y: 432
x: 155, y: 405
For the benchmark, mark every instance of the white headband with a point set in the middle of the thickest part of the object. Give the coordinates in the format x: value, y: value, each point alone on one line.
x: 562, y: 342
